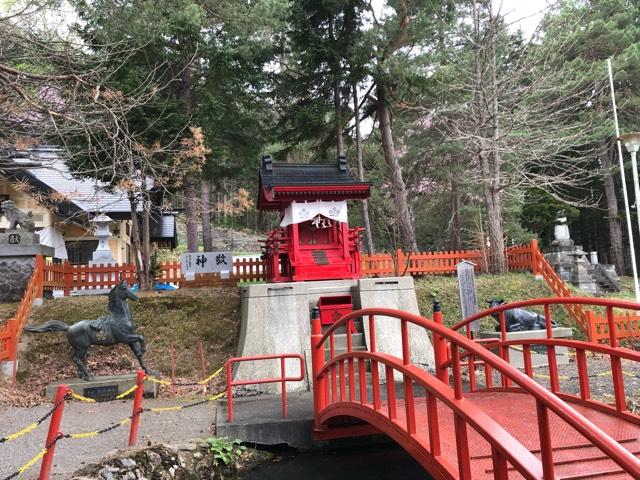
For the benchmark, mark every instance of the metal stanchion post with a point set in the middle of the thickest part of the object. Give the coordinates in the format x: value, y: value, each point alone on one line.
x: 137, y: 408
x: 54, y: 432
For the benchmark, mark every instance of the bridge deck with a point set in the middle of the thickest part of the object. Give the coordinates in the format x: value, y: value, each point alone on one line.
x: 574, y: 457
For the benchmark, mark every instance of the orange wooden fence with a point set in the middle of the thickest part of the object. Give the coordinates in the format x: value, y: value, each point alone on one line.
x: 70, y: 278
x: 559, y: 288
x: 627, y: 326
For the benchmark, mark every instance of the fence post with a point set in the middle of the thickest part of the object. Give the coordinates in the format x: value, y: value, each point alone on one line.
x: 39, y: 273
x: 400, y: 268
x: 317, y: 362
x: 440, y: 347
x: 592, y: 328
x: 534, y: 257
x: 137, y: 408
x: 68, y: 277
x: 54, y: 432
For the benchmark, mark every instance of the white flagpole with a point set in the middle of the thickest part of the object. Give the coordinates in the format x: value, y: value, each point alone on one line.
x: 624, y: 185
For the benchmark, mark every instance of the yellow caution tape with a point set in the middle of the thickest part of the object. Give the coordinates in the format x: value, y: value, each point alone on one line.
x: 216, y: 397
x: 212, y: 376
x: 124, y: 394
x: 22, y: 432
x: 542, y: 375
x: 32, y: 462
x: 81, y: 398
x: 626, y: 373
x: 157, y: 380
x: 165, y: 409
x: 83, y: 435
x: 125, y: 421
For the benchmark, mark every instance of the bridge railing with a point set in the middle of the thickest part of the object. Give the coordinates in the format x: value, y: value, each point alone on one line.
x: 329, y: 401
x: 504, y: 346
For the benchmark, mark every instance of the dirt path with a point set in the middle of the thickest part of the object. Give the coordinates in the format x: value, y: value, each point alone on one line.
x: 171, y: 427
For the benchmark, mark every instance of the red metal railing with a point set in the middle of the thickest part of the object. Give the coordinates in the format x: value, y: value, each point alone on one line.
x: 282, y: 379
x: 329, y: 402
x: 612, y: 350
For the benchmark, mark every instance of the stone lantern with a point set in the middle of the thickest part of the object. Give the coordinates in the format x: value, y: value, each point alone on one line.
x: 102, y: 254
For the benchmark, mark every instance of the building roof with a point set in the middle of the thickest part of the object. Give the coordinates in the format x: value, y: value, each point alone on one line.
x: 282, y: 183
x: 45, y: 169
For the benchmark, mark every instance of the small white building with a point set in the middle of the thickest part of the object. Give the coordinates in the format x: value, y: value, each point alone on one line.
x: 62, y: 204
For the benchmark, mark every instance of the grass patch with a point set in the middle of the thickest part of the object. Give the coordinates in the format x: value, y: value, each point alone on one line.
x: 510, y: 287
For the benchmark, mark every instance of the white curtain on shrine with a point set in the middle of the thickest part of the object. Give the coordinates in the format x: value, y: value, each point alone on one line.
x: 51, y: 237
x: 301, y: 212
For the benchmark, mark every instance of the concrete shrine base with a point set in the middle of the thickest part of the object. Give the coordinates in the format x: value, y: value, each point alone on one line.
x: 275, y: 318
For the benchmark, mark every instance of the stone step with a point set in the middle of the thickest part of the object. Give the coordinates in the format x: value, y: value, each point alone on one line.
x: 340, y: 340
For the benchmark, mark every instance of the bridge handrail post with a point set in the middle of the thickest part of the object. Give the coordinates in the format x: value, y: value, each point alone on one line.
x: 440, y: 347
x: 317, y: 362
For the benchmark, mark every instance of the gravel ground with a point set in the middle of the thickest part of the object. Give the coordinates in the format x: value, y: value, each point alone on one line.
x: 168, y: 427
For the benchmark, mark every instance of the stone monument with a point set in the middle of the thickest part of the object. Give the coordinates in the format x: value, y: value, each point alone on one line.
x: 465, y: 271
x: 572, y: 264
x: 19, y: 246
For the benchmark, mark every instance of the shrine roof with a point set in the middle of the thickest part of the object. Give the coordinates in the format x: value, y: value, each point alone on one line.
x: 282, y: 183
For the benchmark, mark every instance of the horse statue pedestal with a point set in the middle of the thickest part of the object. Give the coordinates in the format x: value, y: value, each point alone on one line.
x: 103, y: 388
x: 538, y: 353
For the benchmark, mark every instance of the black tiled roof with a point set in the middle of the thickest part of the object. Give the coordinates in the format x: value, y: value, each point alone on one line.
x: 288, y: 174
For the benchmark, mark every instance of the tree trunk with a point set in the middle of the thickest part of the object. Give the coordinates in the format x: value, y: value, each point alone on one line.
x: 493, y: 195
x: 191, y: 212
x: 398, y: 187
x: 365, y: 203
x: 135, y: 237
x: 146, y: 282
x: 207, y: 236
x: 190, y: 195
x: 338, y: 110
x: 456, y: 222
x: 615, y: 228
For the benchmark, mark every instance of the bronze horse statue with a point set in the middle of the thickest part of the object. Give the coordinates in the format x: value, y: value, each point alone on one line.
x: 118, y: 327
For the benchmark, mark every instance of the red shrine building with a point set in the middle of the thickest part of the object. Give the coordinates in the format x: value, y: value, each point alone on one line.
x: 313, y: 241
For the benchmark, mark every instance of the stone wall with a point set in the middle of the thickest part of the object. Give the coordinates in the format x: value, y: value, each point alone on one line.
x: 188, y: 461
x: 14, y: 276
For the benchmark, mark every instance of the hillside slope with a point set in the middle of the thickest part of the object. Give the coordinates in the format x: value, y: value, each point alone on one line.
x: 183, y: 317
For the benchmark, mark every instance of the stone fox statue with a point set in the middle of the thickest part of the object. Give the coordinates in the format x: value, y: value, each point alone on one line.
x: 16, y: 217
x: 118, y: 327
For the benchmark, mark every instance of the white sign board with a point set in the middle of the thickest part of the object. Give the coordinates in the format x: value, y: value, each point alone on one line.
x: 206, y: 262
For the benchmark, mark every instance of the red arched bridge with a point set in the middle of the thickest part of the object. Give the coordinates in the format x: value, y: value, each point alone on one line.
x: 477, y: 416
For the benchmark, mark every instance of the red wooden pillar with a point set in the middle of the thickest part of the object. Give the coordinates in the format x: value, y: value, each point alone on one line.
x: 534, y: 257
x: 440, y: 347
x: 317, y: 362
x: 39, y: 275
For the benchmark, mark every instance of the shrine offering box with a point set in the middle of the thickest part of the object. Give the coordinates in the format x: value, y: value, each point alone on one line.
x: 334, y: 308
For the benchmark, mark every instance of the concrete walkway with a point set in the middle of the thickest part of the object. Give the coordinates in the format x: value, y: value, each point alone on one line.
x: 167, y: 427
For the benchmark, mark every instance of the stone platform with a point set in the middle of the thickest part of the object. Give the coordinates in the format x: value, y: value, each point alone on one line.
x: 102, y: 388
x: 275, y: 318
x: 538, y: 353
